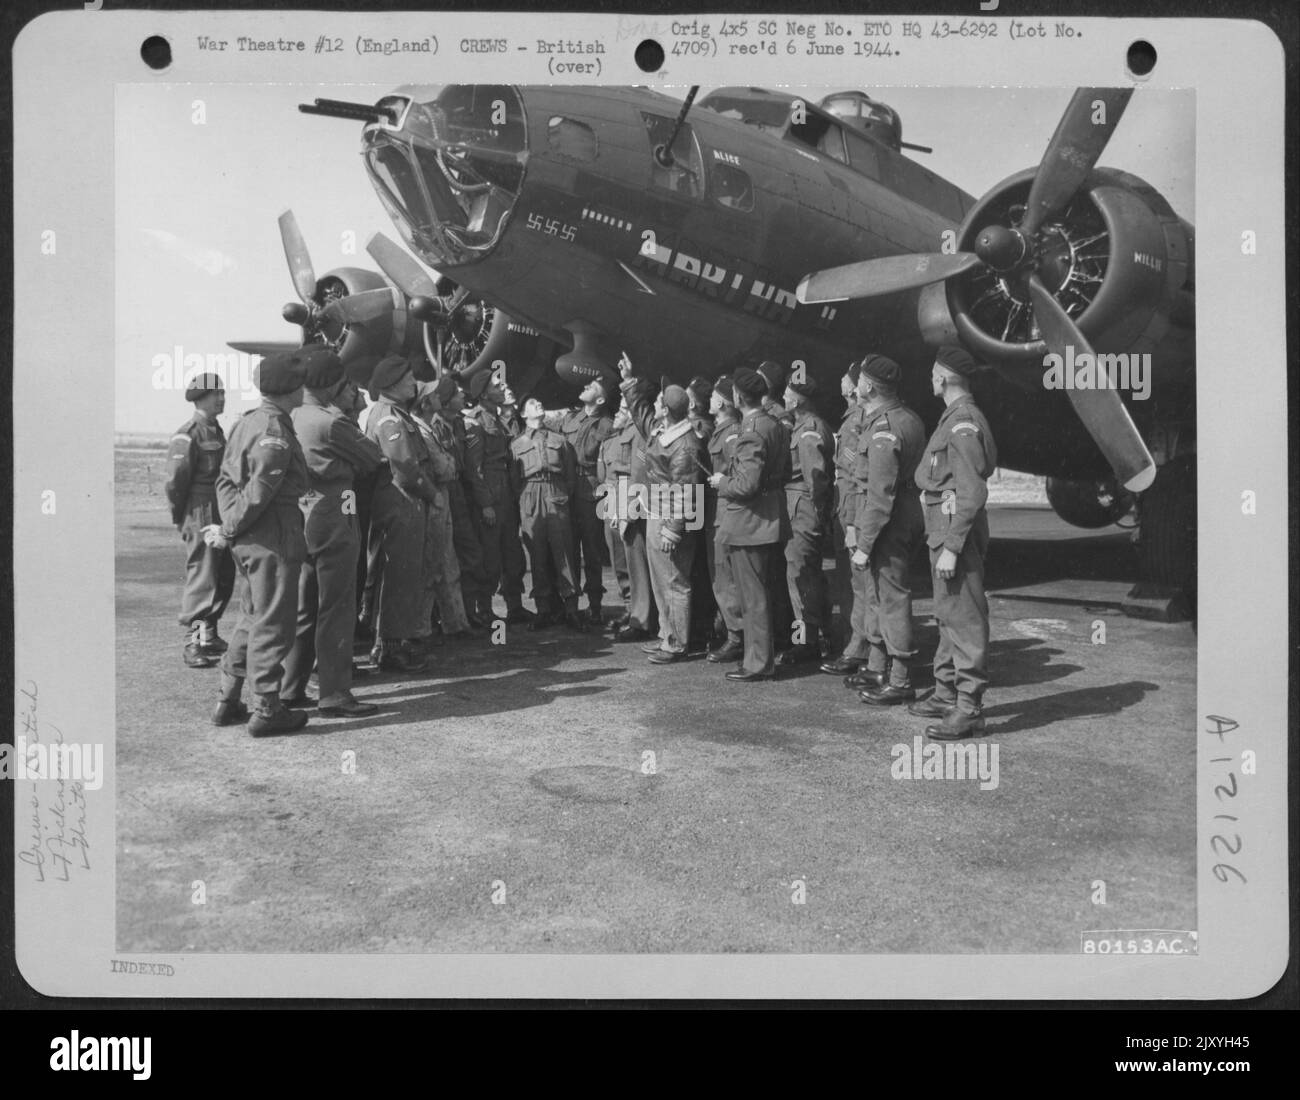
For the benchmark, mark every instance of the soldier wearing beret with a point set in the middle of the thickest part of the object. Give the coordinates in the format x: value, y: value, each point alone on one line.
x: 442, y: 591
x: 953, y: 477
x: 586, y: 429
x: 705, y: 618
x: 754, y: 520
x: 337, y: 455
x: 397, y: 520
x: 673, y: 471
x: 808, y: 501
x: 888, y: 526
x: 262, y: 476
x: 850, y: 583
x: 488, y: 439
x: 545, y: 470
x: 193, y: 461
x: 726, y: 430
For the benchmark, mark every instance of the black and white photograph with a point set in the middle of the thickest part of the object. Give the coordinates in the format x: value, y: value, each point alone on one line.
x: 699, y: 523
x: 577, y: 526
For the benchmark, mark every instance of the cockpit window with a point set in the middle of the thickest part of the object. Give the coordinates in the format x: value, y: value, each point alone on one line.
x: 572, y: 139
x: 686, y: 174
x: 731, y: 187
x: 390, y: 168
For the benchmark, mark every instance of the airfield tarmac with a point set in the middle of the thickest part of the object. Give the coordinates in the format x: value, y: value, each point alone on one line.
x: 520, y: 772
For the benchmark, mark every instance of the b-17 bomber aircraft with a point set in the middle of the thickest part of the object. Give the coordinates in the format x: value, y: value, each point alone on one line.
x: 567, y: 225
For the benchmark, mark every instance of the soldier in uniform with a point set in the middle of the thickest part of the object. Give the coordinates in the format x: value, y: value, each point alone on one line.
x: 465, y: 493
x: 337, y: 454
x: 545, y: 470
x: 852, y: 663
x: 673, y: 470
x: 808, y: 501
x: 262, y: 476
x: 397, y: 522
x: 586, y: 429
x: 888, y: 524
x: 193, y: 461
x: 611, y: 469
x: 726, y: 428
x: 774, y: 376
x: 488, y: 443
x: 953, y: 477
x: 442, y: 591
x: 754, y: 522
x: 627, y: 518
x: 705, y: 618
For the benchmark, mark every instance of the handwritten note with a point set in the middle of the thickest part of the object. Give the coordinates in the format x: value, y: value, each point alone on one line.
x: 55, y: 806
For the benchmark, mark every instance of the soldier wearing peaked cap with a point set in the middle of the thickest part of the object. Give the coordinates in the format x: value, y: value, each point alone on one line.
x: 726, y: 429
x: 774, y: 381
x: 262, y: 476
x: 465, y: 492
x: 611, y: 468
x: 953, y: 478
x: 808, y: 500
x: 887, y: 527
x: 397, y: 519
x: 337, y: 456
x: 193, y: 461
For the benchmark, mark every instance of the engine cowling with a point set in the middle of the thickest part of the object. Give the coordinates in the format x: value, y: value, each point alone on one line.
x: 360, y: 345
x: 1115, y: 258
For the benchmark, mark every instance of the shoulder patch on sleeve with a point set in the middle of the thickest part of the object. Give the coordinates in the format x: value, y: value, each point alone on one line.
x: 886, y: 435
x: 389, y: 420
x: 813, y: 435
x: 274, y: 441
x: 185, y: 436
x: 965, y: 426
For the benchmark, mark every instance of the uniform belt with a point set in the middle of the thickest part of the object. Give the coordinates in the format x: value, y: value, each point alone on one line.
x: 545, y: 475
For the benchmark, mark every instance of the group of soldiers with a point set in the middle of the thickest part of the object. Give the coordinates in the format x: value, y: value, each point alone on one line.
x: 715, y: 503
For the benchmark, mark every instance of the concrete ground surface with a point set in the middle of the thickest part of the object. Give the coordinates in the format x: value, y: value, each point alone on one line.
x: 505, y: 802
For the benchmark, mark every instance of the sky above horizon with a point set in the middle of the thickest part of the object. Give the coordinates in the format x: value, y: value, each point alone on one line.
x: 198, y: 253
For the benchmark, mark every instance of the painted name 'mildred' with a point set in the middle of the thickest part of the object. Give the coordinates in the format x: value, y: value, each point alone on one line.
x: 951, y: 760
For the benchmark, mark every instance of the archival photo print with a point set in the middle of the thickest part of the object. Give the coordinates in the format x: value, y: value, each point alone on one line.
x: 592, y: 520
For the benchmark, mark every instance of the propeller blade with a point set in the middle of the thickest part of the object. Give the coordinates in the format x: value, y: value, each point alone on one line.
x: 364, y: 306
x: 263, y: 348
x: 295, y: 251
x: 1080, y: 137
x: 887, y: 275
x: 398, y: 264
x: 1101, y: 410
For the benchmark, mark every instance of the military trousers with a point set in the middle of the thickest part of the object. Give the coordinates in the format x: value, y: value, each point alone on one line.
x: 503, y: 552
x: 889, y: 590
x: 441, y: 569
x: 641, y: 608
x: 469, y: 554
x: 724, y: 587
x: 548, y: 537
x: 326, y: 600
x: 750, y: 572
x: 397, y: 564
x: 589, y: 547
x: 805, y: 581
x: 670, y: 580
x: 209, y: 572
x: 618, y: 557
x: 962, y: 611
x: 269, y: 558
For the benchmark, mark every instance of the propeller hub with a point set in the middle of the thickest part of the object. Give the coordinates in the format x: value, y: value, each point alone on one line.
x: 295, y: 313
x: 427, y: 309
x: 1000, y: 247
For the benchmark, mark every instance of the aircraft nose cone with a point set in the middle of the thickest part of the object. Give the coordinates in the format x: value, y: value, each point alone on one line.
x: 999, y: 247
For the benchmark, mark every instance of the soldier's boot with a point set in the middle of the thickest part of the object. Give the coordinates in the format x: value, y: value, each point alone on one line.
x: 898, y: 689
x: 209, y: 641
x: 546, y: 615
x: 935, y: 705
x: 595, y: 613
x: 271, y: 717
x: 230, y: 710
x: 395, y: 655
x: 572, y: 619
x: 875, y: 671
x: 733, y: 649
x: 518, y: 614
x: 966, y: 719
x: 193, y: 654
